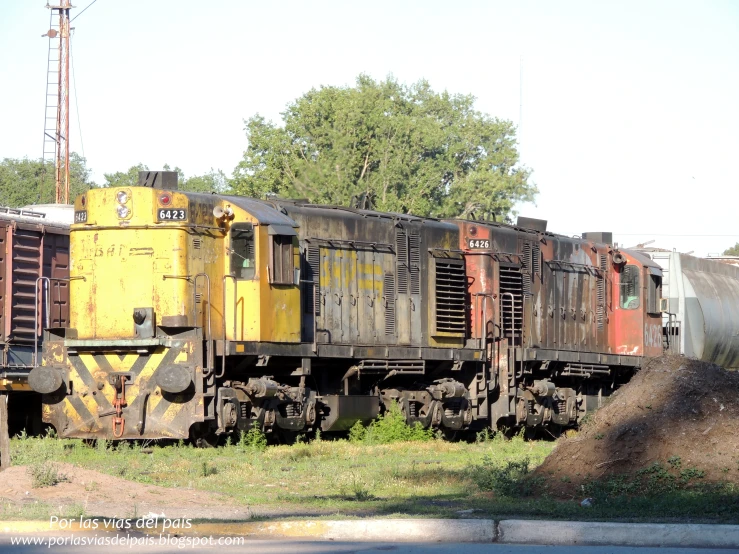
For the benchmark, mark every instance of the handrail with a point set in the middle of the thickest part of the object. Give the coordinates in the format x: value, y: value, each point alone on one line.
x: 373, y: 245
x: 225, y: 336
x: 210, y: 359
x: 47, y: 285
x: 672, y: 323
x: 586, y: 267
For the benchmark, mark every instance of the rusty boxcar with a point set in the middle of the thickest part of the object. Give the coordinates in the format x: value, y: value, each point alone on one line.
x: 201, y: 315
x: 34, y: 293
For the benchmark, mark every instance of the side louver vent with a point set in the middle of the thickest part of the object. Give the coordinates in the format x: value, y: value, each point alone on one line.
x: 451, y: 290
x: 312, y: 280
x: 389, y: 294
x: 401, y: 260
x: 535, y: 259
x: 601, y: 291
x: 414, y: 241
x: 197, y: 243
x: 531, y: 261
x: 527, y: 273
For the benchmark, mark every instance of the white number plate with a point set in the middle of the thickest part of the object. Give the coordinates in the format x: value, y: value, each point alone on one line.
x: 478, y: 243
x: 80, y: 216
x: 171, y: 214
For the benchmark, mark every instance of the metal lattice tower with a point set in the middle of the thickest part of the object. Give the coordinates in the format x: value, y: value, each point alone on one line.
x: 56, y: 116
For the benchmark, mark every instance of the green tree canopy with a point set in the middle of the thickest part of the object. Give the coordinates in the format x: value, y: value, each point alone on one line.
x: 413, y: 150
x: 129, y: 178
x: 24, y: 181
x: 733, y: 251
x: 213, y: 181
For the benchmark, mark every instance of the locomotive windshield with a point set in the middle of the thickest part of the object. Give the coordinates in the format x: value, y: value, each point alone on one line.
x: 629, y: 297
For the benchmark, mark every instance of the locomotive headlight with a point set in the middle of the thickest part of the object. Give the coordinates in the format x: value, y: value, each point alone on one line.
x: 122, y: 196
x: 123, y: 211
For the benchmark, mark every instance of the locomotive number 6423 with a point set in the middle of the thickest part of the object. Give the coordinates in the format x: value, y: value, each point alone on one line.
x: 171, y: 214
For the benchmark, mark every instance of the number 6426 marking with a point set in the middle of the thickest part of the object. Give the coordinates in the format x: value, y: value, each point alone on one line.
x: 478, y: 243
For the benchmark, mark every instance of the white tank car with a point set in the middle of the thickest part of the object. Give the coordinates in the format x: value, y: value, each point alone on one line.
x: 702, y: 304
x: 53, y: 213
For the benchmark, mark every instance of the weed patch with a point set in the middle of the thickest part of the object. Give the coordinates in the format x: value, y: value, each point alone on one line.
x: 510, y: 479
x: 389, y: 428
x: 253, y: 439
x: 45, y: 474
x: 655, y: 479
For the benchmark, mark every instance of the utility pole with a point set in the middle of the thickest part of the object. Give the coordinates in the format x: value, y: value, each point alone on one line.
x: 56, y: 122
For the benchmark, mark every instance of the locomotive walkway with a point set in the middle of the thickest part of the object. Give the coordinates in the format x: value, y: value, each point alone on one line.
x: 507, y: 531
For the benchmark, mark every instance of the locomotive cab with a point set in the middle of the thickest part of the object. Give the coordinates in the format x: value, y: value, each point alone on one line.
x: 637, y: 319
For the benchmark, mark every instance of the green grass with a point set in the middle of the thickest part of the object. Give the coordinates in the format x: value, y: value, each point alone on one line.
x: 422, y: 477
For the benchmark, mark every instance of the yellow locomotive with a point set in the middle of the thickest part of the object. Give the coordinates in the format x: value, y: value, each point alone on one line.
x: 201, y: 314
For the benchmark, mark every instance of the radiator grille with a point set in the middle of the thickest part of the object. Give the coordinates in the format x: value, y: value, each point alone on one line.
x: 511, y: 305
x: 451, y: 290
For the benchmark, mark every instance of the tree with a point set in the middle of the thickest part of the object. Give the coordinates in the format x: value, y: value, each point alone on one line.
x: 733, y: 251
x: 213, y: 181
x: 24, y: 181
x: 413, y: 150
x: 129, y: 178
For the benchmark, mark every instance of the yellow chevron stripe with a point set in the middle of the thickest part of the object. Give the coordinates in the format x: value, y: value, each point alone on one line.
x: 144, y: 376
x: 153, y: 402
x: 82, y: 392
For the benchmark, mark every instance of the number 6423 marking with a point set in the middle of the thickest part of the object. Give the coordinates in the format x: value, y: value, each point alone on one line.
x: 171, y: 214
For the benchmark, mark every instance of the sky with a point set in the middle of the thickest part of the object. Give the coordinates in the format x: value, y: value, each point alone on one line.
x: 628, y: 112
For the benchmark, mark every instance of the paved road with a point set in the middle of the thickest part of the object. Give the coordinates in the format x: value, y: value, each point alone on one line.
x: 316, y: 547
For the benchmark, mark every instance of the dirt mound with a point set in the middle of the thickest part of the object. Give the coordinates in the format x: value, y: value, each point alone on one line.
x: 677, y: 417
x: 103, y: 495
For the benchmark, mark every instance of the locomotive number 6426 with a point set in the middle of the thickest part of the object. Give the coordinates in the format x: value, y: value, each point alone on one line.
x: 478, y: 243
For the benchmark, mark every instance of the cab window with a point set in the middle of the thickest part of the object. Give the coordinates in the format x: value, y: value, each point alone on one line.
x: 283, y: 262
x: 629, y: 293
x: 243, y: 260
x: 654, y: 293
